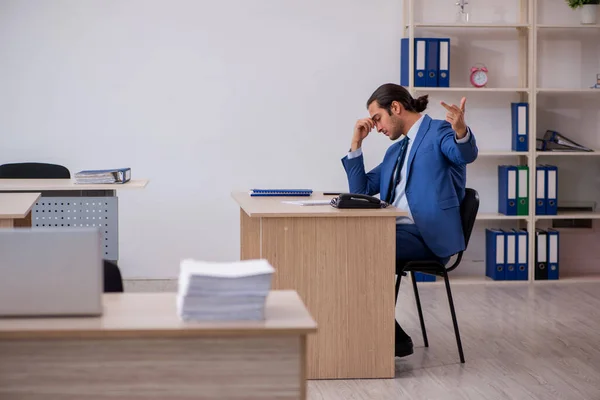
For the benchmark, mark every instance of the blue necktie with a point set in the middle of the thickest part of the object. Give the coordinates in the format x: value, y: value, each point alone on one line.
x: 397, y: 169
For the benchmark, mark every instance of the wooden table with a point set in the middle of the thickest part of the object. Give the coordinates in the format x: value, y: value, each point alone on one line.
x: 64, y: 203
x: 15, y: 206
x: 342, y: 263
x: 140, y: 348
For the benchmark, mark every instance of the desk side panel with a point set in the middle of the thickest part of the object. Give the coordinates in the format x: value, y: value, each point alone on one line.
x: 249, y: 237
x: 6, y: 223
x: 344, y: 271
x: 215, y: 368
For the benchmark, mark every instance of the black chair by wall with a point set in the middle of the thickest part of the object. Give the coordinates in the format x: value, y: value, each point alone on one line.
x: 468, y: 212
x: 113, y: 281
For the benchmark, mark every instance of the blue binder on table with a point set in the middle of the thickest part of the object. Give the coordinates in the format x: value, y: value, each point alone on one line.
x: 420, y: 65
x: 444, y: 61
x: 281, y: 192
x: 520, y: 126
x: 522, y: 255
x: 495, y: 254
x: 553, y: 271
x: 507, y: 189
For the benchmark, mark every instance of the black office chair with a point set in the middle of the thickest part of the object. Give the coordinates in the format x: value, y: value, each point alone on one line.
x: 113, y: 282
x: 33, y: 170
x: 468, y: 212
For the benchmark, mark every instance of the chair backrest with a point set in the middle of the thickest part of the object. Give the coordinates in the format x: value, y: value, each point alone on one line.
x: 468, y: 212
x: 33, y: 170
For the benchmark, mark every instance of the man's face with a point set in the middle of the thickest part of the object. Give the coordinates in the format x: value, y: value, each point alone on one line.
x: 390, y: 125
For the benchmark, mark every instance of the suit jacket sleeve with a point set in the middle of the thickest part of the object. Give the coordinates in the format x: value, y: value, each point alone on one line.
x: 458, y: 153
x: 358, y: 180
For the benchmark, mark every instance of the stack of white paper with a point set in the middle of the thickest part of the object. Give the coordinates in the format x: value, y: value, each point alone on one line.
x: 223, y: 291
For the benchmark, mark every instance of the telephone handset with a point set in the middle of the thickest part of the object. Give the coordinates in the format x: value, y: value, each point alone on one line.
x: 355, y: 200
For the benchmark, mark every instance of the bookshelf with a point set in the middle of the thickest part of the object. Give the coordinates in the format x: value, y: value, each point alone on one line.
x: 539, y: 53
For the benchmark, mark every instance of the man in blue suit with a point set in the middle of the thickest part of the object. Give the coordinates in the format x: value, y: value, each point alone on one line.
x: 423, y: 173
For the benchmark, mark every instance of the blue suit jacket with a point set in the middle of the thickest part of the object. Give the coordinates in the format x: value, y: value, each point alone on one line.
x: 435, y: 186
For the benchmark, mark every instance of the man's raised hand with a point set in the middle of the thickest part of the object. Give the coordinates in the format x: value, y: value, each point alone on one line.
x: 456, y: 117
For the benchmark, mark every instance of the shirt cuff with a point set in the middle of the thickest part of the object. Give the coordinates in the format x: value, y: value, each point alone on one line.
x: 355, y: 153
x: 465, y: 139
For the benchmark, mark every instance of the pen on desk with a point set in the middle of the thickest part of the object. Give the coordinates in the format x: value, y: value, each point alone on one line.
x: 331, y: 194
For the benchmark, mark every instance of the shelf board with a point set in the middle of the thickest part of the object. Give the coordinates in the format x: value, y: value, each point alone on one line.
x: 501, y: 153
x: 570, y: 215
x: 471, y: 280
x: 468, y: 89
x: 568, y: 153
x: 551, y: 26
x: 491, y: 216
x: 562, y: 90
x: 474, y: 25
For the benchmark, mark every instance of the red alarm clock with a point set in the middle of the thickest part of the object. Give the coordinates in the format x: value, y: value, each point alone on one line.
x: 479, y: 77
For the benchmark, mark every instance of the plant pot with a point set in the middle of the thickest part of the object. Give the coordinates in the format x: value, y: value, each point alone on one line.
x: 589, y: 13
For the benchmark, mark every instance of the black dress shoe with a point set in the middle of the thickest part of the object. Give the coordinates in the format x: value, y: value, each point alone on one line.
x: 404, y: 347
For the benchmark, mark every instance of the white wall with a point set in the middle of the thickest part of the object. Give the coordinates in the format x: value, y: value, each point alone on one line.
x: 200, y: 97
x: 203, y: 98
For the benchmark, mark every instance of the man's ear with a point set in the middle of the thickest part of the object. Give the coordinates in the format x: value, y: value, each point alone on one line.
x: 397, y: 108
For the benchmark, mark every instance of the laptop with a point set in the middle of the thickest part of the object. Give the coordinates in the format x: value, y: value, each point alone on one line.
x: 51, y: 272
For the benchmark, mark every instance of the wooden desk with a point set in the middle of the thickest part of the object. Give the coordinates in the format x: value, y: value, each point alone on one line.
x: 342, y: 263
x: 65, y: 203
x: 41, y: 185
x: 15, y: 206
x: 141, y: 349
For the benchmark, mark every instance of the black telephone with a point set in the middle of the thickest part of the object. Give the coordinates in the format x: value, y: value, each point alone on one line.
x: 355, y: 200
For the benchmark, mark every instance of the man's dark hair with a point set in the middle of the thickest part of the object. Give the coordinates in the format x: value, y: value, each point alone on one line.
x: 390, y: 92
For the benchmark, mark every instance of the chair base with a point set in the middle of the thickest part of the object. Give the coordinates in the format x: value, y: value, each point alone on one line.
x: 432, y: 268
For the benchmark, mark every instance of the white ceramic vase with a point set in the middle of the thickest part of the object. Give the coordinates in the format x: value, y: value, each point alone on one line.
x: 589, y: 13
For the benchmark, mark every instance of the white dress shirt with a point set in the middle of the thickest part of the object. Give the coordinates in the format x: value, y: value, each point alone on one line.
x: 400, y: 201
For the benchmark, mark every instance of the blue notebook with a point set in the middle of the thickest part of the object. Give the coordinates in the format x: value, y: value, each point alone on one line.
x: 281, y: 192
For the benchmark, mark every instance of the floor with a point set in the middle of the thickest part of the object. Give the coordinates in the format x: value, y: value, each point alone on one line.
x: 521, y: 341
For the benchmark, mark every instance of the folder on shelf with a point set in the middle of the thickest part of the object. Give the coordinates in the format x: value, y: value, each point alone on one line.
x: 522, y: 254
x: 551, y: 189
x: 420, y: 64
x: 553, y: 237
x: 432, y: 63
x: 540, y: 190
x: 541, y: 254
x: 507, y: 189
x: 510, y: 257
x: 281, y: 192
x: 421, y: 277
x: 444, y: 60
x: 555, y: 141
x: 522, y: 190
x: 520, y: 126
x: 494, y: 254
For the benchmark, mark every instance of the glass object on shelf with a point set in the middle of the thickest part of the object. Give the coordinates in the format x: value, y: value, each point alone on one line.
x: 597, y: 85
x: 462, y: 15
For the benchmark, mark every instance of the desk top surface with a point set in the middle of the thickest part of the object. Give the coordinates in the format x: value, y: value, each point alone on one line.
x: 154, y: 315
x: 65, y: 184
x: 16, y: 205
x: 276, y: 206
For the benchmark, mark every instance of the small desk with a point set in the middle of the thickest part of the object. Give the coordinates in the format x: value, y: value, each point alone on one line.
x: 342, y: 263
x: 64, y: 203
x: 15, y: 206
x: 140, y: 348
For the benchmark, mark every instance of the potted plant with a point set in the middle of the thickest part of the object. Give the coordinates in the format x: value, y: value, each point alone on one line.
x: 588, y: 9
